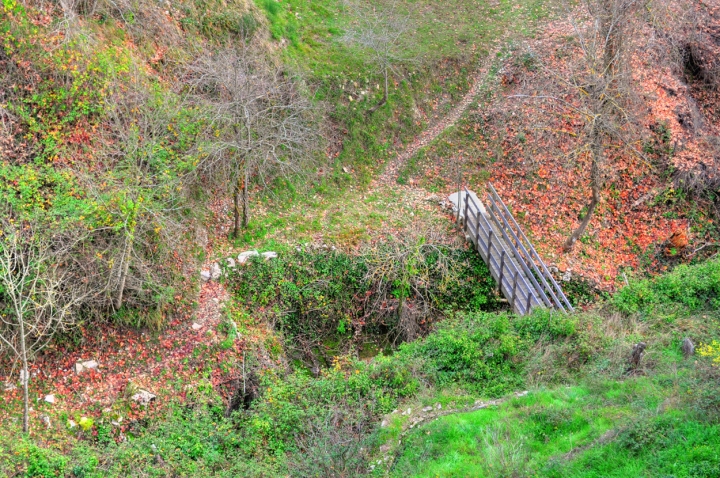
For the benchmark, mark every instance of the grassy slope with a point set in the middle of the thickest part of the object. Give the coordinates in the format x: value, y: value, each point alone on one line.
x: 449, y: 41
x: 584, y: 416
x: 662, y: 421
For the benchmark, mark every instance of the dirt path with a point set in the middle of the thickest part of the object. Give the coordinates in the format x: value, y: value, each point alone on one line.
x: 390, y: 175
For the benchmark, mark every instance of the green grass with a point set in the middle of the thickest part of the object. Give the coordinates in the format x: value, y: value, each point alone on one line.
x: 344, y: 219
x: 593, y: 430
x: 448, y: 41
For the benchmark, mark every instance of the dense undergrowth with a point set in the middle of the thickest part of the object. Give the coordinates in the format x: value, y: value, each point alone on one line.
x: 98, y: 136
x: 316, y: 297
x: 587, y: 414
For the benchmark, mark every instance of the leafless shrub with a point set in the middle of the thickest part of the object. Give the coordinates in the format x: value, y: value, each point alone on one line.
x: 42, y: 286
x: 705, y: 176
x: 405, y: 275
x: 261, y: 124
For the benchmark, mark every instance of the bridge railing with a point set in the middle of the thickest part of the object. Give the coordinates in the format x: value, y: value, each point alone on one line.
x: 511, y: 279
x: 526, y: 254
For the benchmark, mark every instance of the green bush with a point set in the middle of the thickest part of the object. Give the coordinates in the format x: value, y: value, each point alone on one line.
x: 690, y: 287
x: 485, y: 352
x: 325, y: 294
x: 43, y: 462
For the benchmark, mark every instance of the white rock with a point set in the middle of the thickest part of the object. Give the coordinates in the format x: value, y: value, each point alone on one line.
x: 143, y: 397
x: 196, y: 326
x: 244, y: 256
x: 46, y: 420
x: 231, y: 263
x: 346, y: 170
x: 90, y: 364
x: 9, y: 387
x: 427, y: 409
x: 474, y: 204
x: 384, y: 424
x: 79, y: 368
x: 269, y: 255
x: 50, y: 398
x: 438, y: 406
x: 215, y: 271
x: 205, y: 275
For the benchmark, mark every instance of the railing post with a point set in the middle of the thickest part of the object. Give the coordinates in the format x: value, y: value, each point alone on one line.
x: 490, y: 234
x: 512, y: 296
x: 477, y: 230
x: 465, y: 216
x: 527, y: 306
x: 502, y: 269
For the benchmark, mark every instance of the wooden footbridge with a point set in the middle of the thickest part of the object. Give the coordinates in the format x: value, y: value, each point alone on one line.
x: 520, y: 273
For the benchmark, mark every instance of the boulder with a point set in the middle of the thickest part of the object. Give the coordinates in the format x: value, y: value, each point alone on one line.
x: 46, y: 420
x: 458, y: 201
x: 215, y: 271
x: 9, y: 386
x: 231, y: 263
x: 205, y: 275
x: 196, y: 326
x: 688, y: 347
x: 81, y: 367
x: 90, y: 364
x: 269, y: 255
x: 143, y: 397
x: 50, y: 398
x: 244, y: 256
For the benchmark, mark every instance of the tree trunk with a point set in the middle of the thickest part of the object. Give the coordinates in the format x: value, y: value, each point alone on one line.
x: 385, y: 97
x: 595, y: 185
x: 246, y: 200
x: 25, y: 378
x: 236, y: 208
x: 124, y: 268
x: 583, y: 225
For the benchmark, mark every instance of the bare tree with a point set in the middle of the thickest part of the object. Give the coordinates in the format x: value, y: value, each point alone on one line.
x: 597, y: 88
x: 603, y: 87
x: 40, y: 291
x: 383, y: 33
x: 140, y: 200
x: 262, y: 126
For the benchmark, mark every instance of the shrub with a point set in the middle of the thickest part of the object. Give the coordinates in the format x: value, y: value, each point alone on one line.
x: 690, y: 287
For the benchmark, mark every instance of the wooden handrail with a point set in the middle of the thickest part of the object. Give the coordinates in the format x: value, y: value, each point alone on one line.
x: 519, y: 257
x: 487, y: 248
x: 533, y: 256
